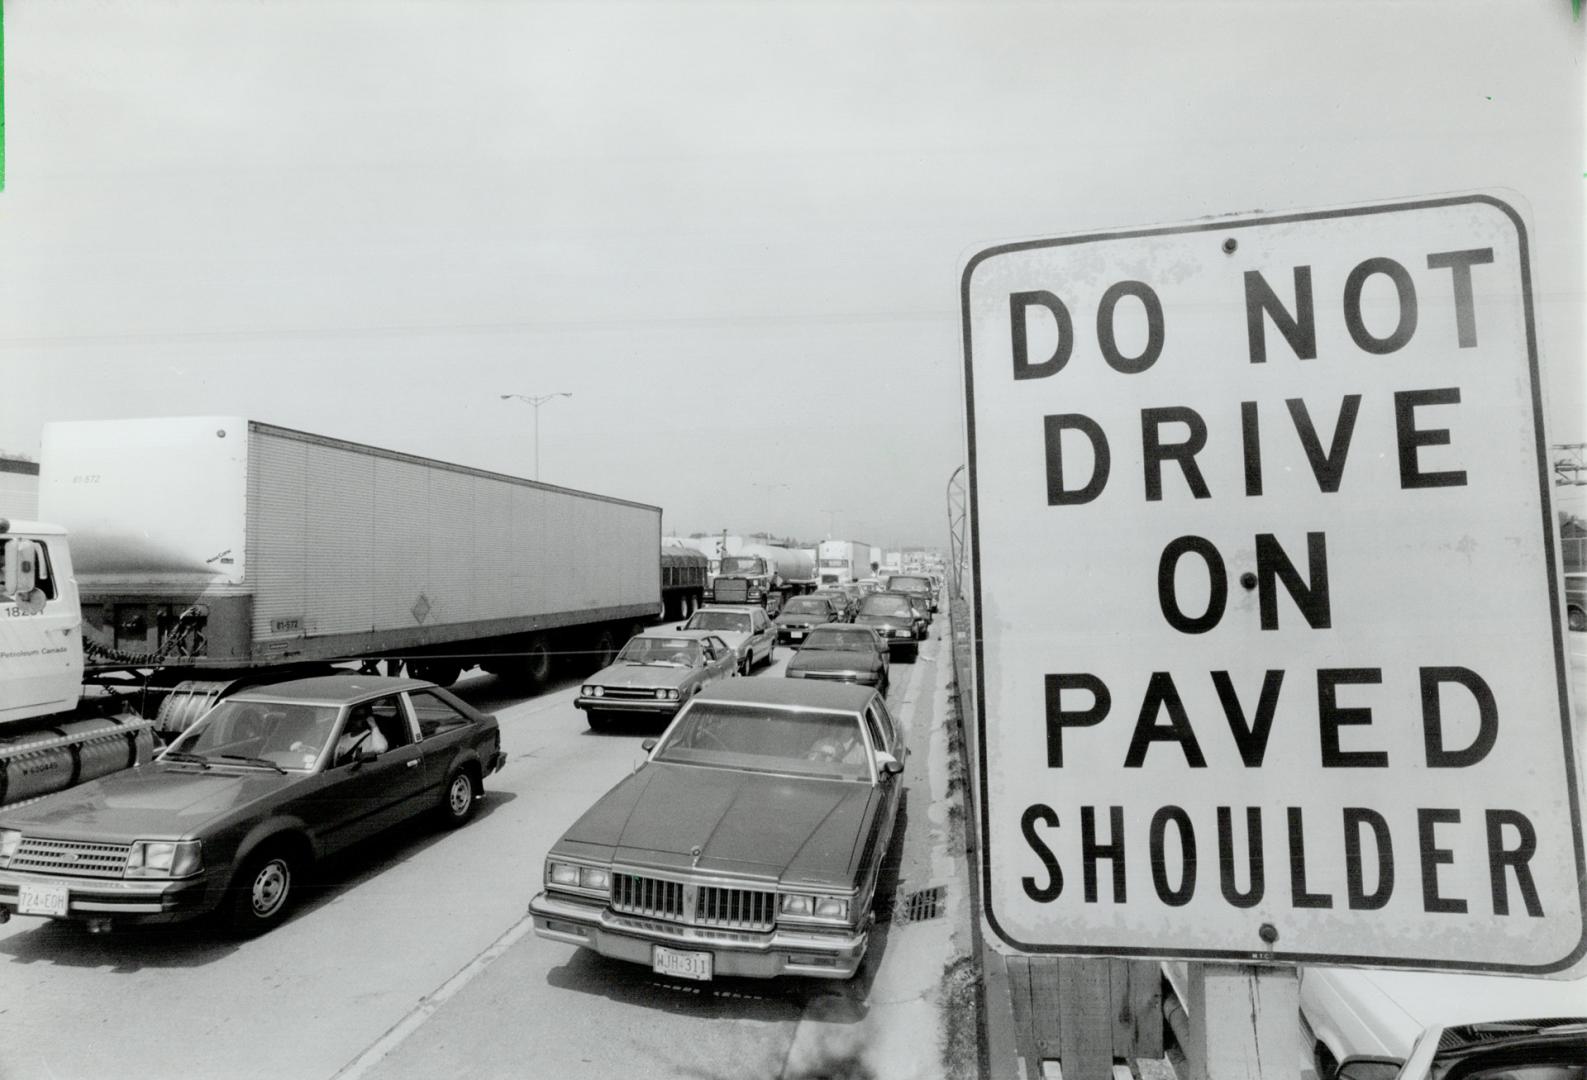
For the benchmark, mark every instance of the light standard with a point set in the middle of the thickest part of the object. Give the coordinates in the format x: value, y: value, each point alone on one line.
x: 536, y: 400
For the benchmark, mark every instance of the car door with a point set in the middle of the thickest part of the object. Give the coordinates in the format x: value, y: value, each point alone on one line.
x: 721, y: 662
x: 360, y: 798
x: 765, y: 633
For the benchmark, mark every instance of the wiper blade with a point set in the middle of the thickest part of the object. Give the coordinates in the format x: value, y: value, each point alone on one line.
x: 265, y: 762
x: 183, y: 755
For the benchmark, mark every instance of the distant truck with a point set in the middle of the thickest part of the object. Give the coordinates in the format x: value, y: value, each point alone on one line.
x: 842, y: 562
x: 216, y: 552
x: 893, y: 562
x: 765, y: 575
x: 684, y: 574
x: 875, y: 564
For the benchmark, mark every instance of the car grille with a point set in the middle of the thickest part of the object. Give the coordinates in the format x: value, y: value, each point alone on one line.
x: 80, y: 858
x: 712, y: 905
x: 732, y: 590
x: 835, y: 676
x: 628, y: 692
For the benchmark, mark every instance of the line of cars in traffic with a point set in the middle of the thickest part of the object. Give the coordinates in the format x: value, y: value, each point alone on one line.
x: 750, y: 841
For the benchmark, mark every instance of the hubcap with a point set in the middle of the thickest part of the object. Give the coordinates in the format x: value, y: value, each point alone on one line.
x: 461, y: 795
x: 270, y: 887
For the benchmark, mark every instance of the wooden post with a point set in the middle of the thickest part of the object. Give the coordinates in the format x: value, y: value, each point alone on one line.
x: 1244, y: 1022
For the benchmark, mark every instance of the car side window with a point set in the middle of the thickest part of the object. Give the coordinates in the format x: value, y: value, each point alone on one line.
x: 758, y: 621
x: 391, y: 720
x: 434, y: 713
x: 879, y: 731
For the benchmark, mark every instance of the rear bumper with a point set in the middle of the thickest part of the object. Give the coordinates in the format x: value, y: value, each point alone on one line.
x: 120, y: 899
x: 592, y: 925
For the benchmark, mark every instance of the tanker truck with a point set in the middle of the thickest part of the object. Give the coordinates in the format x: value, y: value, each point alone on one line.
x: 765, y: 575
x: 212, y: 553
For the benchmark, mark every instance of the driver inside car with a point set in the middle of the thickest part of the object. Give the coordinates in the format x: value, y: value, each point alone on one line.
x: 360, y: 734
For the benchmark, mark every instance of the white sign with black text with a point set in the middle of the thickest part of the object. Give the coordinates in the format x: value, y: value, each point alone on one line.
x: 1270, y: 651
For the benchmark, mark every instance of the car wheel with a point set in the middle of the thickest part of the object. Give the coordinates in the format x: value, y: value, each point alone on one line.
x: 598, y: 721
x: 458, y: 798
x: 1578, y: 619
x: 882, y: 686
x: 744, y: 665
x: 261, y: 892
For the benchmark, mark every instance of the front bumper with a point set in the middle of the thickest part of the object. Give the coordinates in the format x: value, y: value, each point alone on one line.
x: 125, y: 900
x: 592, y: 925
x: 862, y: 678
x: 645, y: 706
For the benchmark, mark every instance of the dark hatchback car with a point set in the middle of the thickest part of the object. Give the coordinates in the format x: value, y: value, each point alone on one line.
x: 841, y: 653
x: 800, y: 614
x: 229, y: 817
x: 894, y: 618
x: 750, y: 843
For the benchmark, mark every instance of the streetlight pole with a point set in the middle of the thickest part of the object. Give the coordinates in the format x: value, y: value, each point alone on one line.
x: 536, y: 400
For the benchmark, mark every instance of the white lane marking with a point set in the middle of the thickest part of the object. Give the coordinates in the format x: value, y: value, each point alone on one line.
x: 402, y: 1029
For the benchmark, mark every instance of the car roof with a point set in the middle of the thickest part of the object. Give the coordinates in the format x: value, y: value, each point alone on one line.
x: 330, y: 689
x: 816, y: 695
x: 663, y: 632
x: 737, y: 609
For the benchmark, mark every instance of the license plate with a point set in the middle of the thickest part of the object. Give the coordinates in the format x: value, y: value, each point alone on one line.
x: 796, y: 634
x: 42, y: 900
x: 680, y: 963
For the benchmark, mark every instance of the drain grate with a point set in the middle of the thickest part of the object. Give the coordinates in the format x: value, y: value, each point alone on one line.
x: 919, y: 905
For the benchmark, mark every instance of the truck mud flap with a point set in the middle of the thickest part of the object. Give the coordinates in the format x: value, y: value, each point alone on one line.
x: 70, y: 754
x: 187, y: 701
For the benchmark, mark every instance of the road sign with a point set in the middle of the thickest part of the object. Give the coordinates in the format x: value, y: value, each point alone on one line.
x: 1270, y: 659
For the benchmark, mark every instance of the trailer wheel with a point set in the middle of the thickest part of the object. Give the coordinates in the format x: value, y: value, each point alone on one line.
x: 605, y: 649
x: 535, y: 665
x: 1578, y: 619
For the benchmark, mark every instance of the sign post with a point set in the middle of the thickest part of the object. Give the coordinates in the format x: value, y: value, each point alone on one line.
x: 1269, y: 643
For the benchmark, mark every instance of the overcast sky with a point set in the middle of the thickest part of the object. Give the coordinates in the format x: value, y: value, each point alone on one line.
x: 732, y: 232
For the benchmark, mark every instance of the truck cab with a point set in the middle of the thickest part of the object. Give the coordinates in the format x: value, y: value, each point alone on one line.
x: 41, y: 642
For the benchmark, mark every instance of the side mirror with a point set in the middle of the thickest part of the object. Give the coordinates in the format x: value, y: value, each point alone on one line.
x: 1368, y: 1068
x: 889, y: 765
x: 648, y: 745
x: 21, y: 567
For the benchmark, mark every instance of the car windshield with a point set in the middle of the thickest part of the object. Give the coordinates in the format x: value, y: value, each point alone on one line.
x: 741, y: 565
x: 847, y: 640
x: 806, y: 605
x: 289, y: 735
x: 876, y: 604
x: 759, y: 738
x: 732, y: 621
x: 909, y: 584
x: 678, y: 652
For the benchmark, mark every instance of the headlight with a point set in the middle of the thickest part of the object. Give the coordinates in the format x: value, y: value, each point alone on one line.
x: 586, y: 691
x: 826, y: 908
x: 590, y: 879
x: 598, y: 691
x: 661, y: 695
x: 672, y: 695
x: 164, y: 858
x: 10, y: 840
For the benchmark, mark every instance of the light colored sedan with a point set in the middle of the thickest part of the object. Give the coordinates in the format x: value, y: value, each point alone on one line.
x: 655, y: 675
x: 745, y: 628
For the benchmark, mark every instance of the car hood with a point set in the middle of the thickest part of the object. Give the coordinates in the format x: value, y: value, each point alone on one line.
x: 799, y: 618
x: 832, y: 660
x: 156, y: 800
x: 743, y: 823
x: 641, y: 675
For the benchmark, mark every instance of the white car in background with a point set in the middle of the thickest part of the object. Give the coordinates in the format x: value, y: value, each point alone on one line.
x: 1376, y: 1024
x: 745, y: 628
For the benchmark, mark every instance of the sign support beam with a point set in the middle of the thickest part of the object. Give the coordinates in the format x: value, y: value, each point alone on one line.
x: 1242, y: 1022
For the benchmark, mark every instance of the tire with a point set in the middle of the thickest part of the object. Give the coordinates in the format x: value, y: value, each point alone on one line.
x: 598, y: 721
x: 1578, y: 619
x: 261, y: 892
x: 749, y: 663
x: 458, y: 798
x: 535, y: 665
x: 605, y: 649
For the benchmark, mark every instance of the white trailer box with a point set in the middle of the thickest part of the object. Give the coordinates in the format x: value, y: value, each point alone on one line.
x: 300, y: 547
